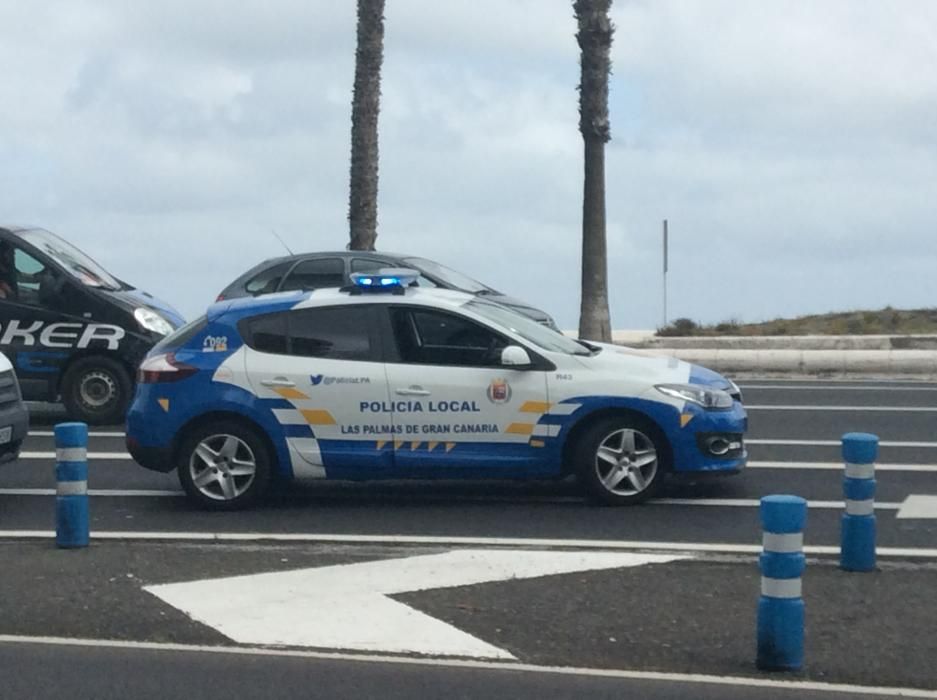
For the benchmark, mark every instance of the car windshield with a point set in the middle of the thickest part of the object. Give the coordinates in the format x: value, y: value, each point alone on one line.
x: 83, y: 268
x: 448, y: 276
x: 527, y: 328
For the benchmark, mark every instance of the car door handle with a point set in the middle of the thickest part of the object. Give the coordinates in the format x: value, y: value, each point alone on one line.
x: 413, y: 391
x: 278, y: 381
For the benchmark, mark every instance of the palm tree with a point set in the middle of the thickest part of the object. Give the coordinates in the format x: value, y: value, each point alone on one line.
x: 365, y: 107
x: 595, y: 41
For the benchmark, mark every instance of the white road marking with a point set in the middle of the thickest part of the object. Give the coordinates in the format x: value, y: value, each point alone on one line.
x: 804, y: 387
x: 755, y: 503
x: 839, y: 466
x: 700, y: 502
x: 91, y: 455
x: 885, y: 409
x: 129, y: 493
x: 346, y: 606
x: 832, y: 443
x: 735, y: 681
x: 918, y: 506
x: 51, y: 433
x: 515, y: 542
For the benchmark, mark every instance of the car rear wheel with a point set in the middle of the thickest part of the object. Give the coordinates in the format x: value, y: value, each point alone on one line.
x: 96, y: 390
x: 224, y: 466
x: 622, y: 460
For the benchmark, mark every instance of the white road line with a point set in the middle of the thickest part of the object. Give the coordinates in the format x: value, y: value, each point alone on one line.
x: 735, y: 681
x: 113, y: 493
x: 91, y: 455
x: 838, y: 466
x: 700, y: 502
x: 886, y: 409
x: 804, y: 387
x: 832, y: 443
x: 686, y: 547
x: 51, y: 433
x: 755, y: 503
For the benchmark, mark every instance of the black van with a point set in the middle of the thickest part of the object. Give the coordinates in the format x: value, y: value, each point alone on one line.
x: 72, y: 330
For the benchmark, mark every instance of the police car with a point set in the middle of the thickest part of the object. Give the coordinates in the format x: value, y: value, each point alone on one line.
x: 383, y: 380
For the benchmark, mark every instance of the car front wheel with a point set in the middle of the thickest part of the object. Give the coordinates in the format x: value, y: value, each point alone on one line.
x: 224, y: 466
x: 622, y: 461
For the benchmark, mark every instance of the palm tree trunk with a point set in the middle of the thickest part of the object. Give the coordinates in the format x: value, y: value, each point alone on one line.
x: 595, y: 41
x: 366, y: 105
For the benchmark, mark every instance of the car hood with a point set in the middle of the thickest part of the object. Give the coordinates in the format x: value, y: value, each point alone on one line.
x: 132, y: 298
x: 653, y: 367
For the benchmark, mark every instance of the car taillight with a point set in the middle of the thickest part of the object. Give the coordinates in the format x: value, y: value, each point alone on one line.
x: 220, y: 298
x: 163, y: 368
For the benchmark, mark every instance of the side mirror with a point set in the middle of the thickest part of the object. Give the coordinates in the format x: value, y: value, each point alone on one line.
x: 515, y: 356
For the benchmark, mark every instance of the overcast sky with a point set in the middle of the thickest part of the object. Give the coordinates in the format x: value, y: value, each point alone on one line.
x: 792, y: 145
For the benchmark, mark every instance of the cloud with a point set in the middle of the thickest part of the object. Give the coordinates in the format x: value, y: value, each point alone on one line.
x: 790, y: 144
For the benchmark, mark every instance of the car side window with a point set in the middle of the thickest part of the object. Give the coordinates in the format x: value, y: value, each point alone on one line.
x: 316, y: 274
x: 268, y: 333
x: 336, y: 333
x: 437, y: 338
x: 267, y: 281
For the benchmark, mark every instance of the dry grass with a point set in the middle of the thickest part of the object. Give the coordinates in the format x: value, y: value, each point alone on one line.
x: 887, y: 321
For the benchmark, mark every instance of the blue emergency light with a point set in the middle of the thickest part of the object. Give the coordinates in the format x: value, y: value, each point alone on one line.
x: 390, y: 279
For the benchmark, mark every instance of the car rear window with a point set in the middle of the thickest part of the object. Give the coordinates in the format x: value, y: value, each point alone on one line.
x: 182, y: 335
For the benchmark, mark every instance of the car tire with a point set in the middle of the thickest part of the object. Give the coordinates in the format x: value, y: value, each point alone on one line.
x: 224, y: 465
x: 96, y: 390
x: 622, y: 460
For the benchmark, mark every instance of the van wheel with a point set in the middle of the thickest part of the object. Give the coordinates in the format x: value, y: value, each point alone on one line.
x: 96, y: 390
x: 622, y: 460
x: 224, y: 465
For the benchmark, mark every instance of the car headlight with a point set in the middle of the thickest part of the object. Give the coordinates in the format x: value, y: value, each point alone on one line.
x: 152, y: 321
x: 700, y: 395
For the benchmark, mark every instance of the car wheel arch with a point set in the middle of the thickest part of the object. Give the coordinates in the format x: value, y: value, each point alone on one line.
x: 216, y: 416
x: 586, y: 421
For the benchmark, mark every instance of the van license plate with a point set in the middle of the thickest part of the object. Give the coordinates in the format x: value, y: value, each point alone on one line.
x: 6, y: 434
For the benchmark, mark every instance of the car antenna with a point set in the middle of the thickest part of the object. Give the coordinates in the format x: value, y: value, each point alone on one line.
x: 281, y: 242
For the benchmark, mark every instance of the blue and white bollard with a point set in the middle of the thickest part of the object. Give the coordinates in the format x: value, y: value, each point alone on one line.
x: 857, y: 547
x: 781, y: 607
x: 71, y: 473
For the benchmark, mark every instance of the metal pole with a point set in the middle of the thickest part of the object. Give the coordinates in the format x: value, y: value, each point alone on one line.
x: 665, y: 274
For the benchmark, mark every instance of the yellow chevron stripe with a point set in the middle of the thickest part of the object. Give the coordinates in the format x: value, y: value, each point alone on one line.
x: 317, y: 417
x: 520, y: 428
x: 381, y: 443
x: 449, y: 446
x: 685, y: 418
x: 398, y: 444
x: 163, y: 404
x: 415, y: 445
x: 535, y: 407
x: 537, y: 443
x: 432, y: 446
x: 288, y: 392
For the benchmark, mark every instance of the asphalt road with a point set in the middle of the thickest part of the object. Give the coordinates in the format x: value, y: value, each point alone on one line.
x: 795, y: 427
x: 811, y: 415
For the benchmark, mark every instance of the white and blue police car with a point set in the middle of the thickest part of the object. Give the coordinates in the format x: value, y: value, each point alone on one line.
x: 382, y: 380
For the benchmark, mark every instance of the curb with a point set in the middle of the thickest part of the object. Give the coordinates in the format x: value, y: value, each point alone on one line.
x: 914, y: 363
